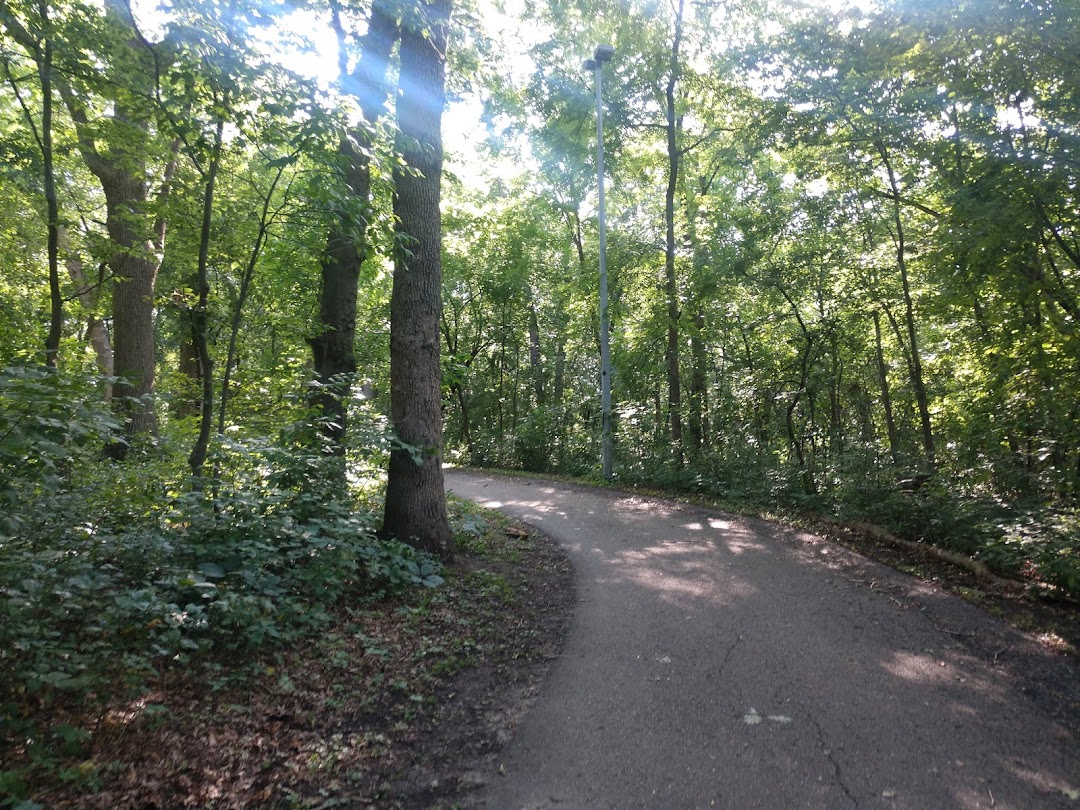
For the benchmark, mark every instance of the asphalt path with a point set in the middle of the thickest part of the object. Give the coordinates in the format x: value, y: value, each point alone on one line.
x: 720, y: 661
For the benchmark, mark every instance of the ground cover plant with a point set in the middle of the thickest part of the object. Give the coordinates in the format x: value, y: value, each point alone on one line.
x: 117, y: 578
x: 310, y: 665
x: 251, y: 301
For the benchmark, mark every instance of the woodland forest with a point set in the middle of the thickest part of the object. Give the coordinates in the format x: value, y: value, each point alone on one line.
x: 251, y: 302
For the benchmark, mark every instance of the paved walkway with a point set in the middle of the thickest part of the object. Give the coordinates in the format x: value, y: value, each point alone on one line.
x: 716, y: 661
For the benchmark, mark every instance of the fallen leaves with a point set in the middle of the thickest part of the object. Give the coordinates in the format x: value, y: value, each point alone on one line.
x: 334, y: 723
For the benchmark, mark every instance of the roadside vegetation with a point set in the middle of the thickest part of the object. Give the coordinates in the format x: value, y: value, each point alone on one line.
x: 257, y: 646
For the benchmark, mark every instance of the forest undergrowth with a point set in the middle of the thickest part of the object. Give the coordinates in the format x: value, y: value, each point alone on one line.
x: 121, y: 579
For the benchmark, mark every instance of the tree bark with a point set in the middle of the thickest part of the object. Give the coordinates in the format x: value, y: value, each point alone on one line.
x: 136, y: 234
x: 40, y: 47
x: 201, y: 312
x: 45, y: 71
x: 134, y: 264
x: 346, y: 245
x: 917, y: 380
x: 415, y: 498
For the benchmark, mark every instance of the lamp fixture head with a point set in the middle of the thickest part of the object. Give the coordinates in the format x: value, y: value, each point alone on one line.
x: 604, y: 53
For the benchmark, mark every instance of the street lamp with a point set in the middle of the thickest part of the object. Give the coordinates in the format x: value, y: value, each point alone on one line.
x: 603, y: 53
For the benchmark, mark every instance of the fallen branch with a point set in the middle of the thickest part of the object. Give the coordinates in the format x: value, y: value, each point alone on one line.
x: 981, y: 570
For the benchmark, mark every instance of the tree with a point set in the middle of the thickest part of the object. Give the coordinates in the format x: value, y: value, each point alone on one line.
x: 415, y: 499
x: 333, y: 348
x: 41, y: 46
x: 118, y: 150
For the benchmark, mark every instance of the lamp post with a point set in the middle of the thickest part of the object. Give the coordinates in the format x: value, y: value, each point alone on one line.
x: 603, y: 54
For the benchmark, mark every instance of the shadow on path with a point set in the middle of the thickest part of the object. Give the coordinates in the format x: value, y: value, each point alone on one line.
x: 716, y: 661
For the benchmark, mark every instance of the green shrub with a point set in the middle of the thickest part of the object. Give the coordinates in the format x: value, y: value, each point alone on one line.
x: 112, y: 573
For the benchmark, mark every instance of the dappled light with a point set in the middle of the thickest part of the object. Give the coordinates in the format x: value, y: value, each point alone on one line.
x: 922, y: 669
x: 791, y: 635
x: 272, y: 273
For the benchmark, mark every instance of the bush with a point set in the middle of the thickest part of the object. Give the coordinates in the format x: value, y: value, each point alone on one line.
x: 111, y: 574
x: 49, y: 424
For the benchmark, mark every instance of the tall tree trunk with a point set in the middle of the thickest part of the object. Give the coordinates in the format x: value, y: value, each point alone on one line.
x: 670, y: 283
x: 346, y: 245
x: 797, y: 440
x: 200, y: 314
x: 415, y: 498
x: 134, y: 265
x: 45, y: 71
x: 917, y: 380
x: 40, y: 47
x: 136, y: 234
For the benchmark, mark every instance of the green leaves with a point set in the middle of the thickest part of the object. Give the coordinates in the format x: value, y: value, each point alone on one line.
x: 48, y: 423
x: 106, y: 582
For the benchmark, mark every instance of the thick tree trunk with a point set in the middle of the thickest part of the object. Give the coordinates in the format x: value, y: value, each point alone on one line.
x: 346, y: 246
x: 415, y: 499
x: 134, y: 265
x: 136, y: 234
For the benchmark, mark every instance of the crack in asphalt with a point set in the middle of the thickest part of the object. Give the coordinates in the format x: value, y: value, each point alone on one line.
x: 838, y: 773
x: 817, y: 644
x: 727, y: 655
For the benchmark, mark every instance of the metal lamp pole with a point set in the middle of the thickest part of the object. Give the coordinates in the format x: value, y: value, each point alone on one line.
x: 603, y: 53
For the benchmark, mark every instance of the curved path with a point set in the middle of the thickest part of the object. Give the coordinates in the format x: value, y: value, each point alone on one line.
x: 716, y: 661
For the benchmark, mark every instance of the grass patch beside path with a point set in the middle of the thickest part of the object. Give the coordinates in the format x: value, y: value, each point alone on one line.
x: 397, y: 704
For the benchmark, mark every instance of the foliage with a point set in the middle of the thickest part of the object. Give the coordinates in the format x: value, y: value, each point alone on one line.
x: 112, y: 580
x: 50, y: 424
x: 875, y: 275
x: 867, y: 303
